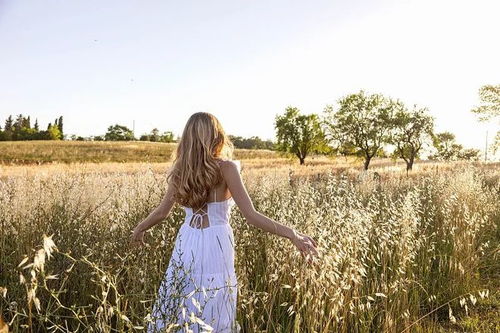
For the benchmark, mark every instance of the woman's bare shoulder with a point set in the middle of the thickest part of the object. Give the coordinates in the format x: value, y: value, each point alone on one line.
x: 228, y: 165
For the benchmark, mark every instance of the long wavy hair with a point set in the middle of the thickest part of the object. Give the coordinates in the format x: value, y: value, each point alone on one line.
x: 195, y: 170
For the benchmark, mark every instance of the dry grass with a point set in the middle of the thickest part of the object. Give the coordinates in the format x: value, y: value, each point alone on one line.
x: 45, y: 151
x: 398, y: 254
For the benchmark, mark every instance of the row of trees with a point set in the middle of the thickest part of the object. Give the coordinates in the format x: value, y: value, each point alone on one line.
x: 253, y: 142
x: 156, y: 136
x: 21, y: 129
x: 363, y: 124
x: 122, y: 133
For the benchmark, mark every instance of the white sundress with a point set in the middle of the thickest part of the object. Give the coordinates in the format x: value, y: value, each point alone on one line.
x: 199, y: 287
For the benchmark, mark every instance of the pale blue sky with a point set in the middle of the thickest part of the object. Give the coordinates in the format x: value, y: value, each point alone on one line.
x: 98, y: 63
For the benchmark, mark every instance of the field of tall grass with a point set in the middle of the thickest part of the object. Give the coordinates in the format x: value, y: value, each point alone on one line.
x: 398, y: 253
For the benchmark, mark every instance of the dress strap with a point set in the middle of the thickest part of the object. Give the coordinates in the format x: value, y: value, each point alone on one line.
x: 203, y: 211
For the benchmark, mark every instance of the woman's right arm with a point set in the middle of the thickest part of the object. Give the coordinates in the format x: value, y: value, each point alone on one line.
x: 240, y: 195
x: 156, y: 216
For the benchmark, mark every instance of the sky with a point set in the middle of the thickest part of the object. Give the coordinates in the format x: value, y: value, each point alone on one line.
x: 154, y: 63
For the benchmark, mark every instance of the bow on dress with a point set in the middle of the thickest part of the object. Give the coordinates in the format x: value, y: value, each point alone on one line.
x: 198, y: 220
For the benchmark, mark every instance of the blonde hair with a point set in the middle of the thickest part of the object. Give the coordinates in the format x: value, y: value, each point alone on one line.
x: 195, y: 170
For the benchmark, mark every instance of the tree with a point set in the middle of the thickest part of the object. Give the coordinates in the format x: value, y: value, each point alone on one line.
x: 469, y: 154
x: 53, y: 133
x: 345, y: 149
x: 155, y: 135
x: 18, y: 124
x: 26, y: 123
x: 490, y: 97
x: 118, y: 133
x: 167, y: 136
x: 446, y: 146
x: 60, y: 126
x: 410, y: 131
x: 490, y: 109
x: 8, y: 129
x: 496, y: 143
x: 299, y: 134
x: 9, y: 124
x: 253, y: 142
x: 362, y: 121
x: 26, y: 134
x: 338, y: 142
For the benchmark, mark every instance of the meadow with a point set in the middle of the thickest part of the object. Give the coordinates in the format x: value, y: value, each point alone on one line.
x: 398, y: 253
x: 50, y: 151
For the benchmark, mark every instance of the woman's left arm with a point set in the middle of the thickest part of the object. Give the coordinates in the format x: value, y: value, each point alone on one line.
x: 156, y: 216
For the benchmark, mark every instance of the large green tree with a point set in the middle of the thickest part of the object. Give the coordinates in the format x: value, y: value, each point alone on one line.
x: 299, y: 134
x: 118, y: 133
x: 363, y: 121
x: 411, y: 129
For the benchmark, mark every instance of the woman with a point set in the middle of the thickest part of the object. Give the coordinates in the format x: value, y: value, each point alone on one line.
x: 200, y: 287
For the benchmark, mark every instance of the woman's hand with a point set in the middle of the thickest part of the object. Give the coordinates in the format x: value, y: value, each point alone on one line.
x: 306, y: 245
x: 137, y: 237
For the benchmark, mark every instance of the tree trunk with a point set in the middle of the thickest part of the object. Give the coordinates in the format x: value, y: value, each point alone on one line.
x: 367, y: 161
x: 409, y: 165
x: 302, y: 159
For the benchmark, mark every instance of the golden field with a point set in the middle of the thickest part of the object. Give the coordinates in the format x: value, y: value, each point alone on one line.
x: 398, y: 253
x: 42, y: 152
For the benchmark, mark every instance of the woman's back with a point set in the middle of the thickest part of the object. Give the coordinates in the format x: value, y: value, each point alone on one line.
x: 215, y: 211
x: 211, y: 214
